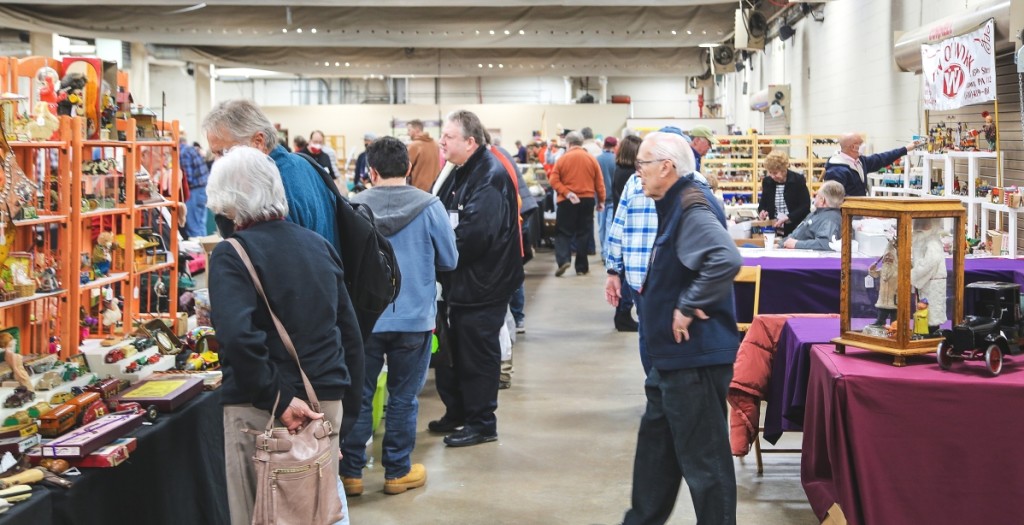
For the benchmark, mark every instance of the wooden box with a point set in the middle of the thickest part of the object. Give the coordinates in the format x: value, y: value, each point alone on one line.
x: 166, y: 394
x: 83, y: 441
x: 925, y: 261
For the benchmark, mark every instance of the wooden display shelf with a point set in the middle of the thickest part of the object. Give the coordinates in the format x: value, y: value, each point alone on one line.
x: 38, y: 144
x: 146, y: 268
x: 152, y: 205
x: 103, y: 281
x: 104, y: 211
x: 108, y: 144
x: 42, y: 219
x: 30, y: 298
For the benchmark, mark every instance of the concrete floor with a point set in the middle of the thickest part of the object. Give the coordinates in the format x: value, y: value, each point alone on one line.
x: 567, y: 432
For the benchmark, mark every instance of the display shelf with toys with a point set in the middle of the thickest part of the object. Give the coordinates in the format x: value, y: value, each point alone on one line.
x: 739, y: 165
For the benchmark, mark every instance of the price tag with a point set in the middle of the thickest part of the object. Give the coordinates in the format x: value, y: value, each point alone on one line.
x: 869, y: 282
x: 453, y: 218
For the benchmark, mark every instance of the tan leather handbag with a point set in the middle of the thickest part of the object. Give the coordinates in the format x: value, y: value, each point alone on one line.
x: 296, y: 477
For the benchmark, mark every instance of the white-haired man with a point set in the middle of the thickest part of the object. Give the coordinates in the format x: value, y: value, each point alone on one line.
x: 690, y: 326
x: 849, y: 167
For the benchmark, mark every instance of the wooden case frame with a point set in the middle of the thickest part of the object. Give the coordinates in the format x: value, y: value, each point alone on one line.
x: 904, y: 210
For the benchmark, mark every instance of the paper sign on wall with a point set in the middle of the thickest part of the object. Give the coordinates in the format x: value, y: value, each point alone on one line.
x: 960, y: 71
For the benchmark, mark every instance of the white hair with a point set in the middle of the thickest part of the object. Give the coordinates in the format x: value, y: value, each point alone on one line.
x: 672, y: 147
x: 240, y: 120
x: 246, y: 186
x: 833, y: 192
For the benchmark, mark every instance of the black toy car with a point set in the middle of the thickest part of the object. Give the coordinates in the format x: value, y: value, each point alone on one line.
x: 994, y: 331
x: 20, y: 397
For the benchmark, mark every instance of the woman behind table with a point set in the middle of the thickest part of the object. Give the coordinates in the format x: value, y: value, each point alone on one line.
x: 784, y: 196
x: 301, y: 274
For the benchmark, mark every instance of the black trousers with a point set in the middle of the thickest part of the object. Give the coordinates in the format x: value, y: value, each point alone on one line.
x: 468, y: 383
x: 574, y: 221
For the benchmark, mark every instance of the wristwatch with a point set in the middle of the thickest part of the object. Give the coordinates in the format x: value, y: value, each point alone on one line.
x: 612, y: 272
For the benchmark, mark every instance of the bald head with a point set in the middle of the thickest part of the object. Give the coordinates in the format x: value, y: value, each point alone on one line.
x: 850, y: 143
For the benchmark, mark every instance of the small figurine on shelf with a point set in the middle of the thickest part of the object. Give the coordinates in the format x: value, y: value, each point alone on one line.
x: 112, y: 315
x: 71, y: 97
x: 87, y: 272
x: 44, y: 124
x: 921, y: 319
x: 989, y: 129
x: 55, y: 346
x: 101, y: 253
x: 928, y: 270
x: 885, y: 270
x: 9, y: 345
x: 86, y: 323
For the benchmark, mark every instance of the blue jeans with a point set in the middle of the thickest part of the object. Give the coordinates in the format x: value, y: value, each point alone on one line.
x: 408, y: 356
x: 518, y: 303
x: 684, y: 433
x: 195, y: 218
x: 645, y: 360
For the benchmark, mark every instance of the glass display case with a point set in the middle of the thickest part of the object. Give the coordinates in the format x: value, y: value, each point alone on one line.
x: 903, y: 274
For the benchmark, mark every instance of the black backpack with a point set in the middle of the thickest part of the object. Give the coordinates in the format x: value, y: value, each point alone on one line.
x: 371, y: 269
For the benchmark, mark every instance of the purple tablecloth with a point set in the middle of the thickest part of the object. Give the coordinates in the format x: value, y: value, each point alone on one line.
x: 913, y: 444
x: 788, y: 384
x: 811, y: 286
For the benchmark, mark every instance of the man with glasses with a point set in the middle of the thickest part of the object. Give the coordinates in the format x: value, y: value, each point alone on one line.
x: 690, y: 324
x: 483, y: 208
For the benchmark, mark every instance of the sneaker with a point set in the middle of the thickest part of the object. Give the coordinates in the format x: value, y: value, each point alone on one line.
x: 353, y: 486
x: 561, y: 269
x: 521, y: 327
x: 417, y: 477
x: 504, y: 385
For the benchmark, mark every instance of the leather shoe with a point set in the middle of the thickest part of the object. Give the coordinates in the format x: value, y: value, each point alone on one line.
x: 561, y: 269
x: 444, y: 425
x: 625, y: 323
x: 467, y: 437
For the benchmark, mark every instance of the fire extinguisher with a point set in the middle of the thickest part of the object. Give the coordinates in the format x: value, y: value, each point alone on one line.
x: 700, y: 104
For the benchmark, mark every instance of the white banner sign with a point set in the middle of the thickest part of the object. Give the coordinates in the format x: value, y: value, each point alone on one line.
x: 960, y: 71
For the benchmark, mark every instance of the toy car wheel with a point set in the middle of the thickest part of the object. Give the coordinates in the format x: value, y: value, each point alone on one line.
x: 151, y: 413
x: 944, y: 353
x: 994, y: 359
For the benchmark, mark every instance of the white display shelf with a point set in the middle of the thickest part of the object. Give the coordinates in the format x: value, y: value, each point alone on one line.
x: 42, y: 395
x: 1011, y: 214
x: 971, y: 200
x: 95, y: 355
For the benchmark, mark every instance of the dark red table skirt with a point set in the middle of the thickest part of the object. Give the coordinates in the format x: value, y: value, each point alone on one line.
x: 914, y: 444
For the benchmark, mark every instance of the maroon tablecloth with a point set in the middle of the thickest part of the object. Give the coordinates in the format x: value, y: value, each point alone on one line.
x: 811, y: 286
x: 914, y: 444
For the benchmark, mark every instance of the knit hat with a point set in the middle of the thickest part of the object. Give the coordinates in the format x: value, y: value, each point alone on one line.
x: 611, y: 142
x: 702, y: 131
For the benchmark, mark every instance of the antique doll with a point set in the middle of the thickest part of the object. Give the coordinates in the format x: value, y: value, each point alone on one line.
x: 928, y: 270
x: 921, y: 318
x: 989, y: 129
x: 101, y: 253
x: 887, y: 283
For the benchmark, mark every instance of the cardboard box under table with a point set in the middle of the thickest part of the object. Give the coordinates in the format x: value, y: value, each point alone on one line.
x: 166, y: 394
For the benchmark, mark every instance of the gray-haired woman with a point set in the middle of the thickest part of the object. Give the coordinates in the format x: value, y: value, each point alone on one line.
x: 298, y: 269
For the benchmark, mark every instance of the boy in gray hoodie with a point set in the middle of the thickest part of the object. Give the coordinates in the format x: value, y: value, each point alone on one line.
x: 417, y: 225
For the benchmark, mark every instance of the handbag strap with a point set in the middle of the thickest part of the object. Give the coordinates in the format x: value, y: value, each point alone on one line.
x: 285, y: 338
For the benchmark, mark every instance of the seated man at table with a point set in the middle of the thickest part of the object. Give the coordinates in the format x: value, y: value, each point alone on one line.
x: 820, y: 227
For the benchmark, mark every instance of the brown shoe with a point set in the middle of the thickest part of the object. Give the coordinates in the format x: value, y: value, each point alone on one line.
x: 417, y: 477
x: 353, y: 486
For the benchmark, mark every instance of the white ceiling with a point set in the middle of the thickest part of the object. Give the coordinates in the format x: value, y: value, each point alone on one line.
x: 427, y: 37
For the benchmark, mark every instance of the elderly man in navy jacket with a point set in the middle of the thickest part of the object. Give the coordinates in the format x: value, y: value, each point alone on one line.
x: 850, y: 168
x: 691, y: 336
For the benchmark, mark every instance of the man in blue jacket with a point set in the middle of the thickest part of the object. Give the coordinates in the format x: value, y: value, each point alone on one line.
x: 690, y: 326
x: 483, y: 208
x: 417, y: 225
x: 850, y: 168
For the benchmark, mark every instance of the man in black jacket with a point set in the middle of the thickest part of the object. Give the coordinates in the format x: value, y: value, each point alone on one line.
x: 482, y: 207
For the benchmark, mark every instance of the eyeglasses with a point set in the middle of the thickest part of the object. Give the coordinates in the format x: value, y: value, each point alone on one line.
x: 640, y: 163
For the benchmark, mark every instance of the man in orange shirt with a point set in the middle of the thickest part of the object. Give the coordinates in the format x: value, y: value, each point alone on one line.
x: 577, y: 181
x: 424, y: 156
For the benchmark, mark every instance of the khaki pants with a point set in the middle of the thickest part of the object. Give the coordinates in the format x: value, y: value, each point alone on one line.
x: 239, y: 448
